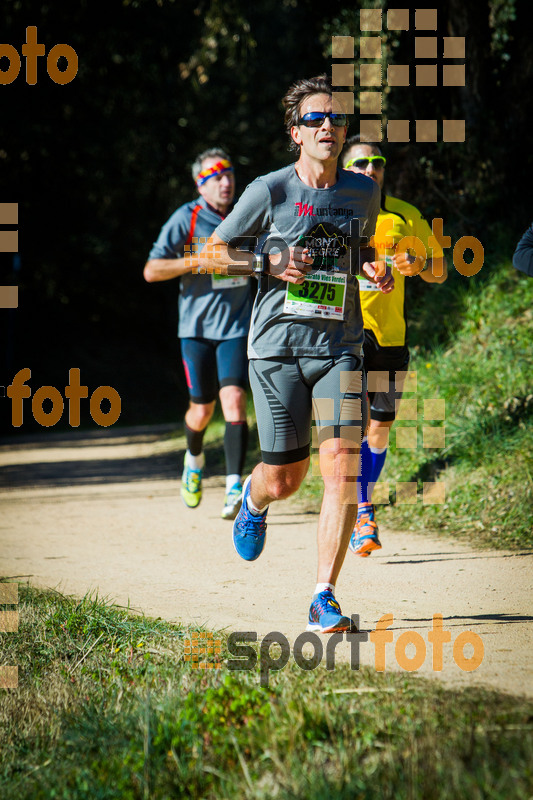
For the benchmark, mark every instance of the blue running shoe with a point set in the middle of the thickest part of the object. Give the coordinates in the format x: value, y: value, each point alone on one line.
x: 364, y: 538
x: 249, y: 530
x: 325, y: 615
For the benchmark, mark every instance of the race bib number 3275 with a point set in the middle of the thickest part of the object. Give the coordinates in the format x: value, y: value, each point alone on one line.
x: 323, y: 294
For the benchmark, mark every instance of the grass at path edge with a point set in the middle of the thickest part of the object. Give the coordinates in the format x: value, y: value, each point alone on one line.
x: 107, y: 707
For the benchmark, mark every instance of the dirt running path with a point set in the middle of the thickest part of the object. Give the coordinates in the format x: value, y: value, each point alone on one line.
x: 101, y: 511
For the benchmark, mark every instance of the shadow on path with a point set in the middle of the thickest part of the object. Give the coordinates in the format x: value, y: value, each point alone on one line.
x: 475, y: 619
x: 42, y: 472
x: 457, y: 557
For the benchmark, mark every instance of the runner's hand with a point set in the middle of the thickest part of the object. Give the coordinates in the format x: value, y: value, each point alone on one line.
x: 380, y: 274
x: 291, y: 265
x: 408, y: 265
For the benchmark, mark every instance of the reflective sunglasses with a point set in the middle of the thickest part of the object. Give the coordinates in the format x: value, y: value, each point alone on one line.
x: 314, y: 119
x: 362, y: 163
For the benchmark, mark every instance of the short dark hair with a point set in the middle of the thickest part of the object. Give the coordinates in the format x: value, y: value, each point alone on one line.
x: 357, y: 139
x: 295, y: 96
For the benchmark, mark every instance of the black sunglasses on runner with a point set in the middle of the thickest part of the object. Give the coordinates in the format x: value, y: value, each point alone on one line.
x: 314, y: 119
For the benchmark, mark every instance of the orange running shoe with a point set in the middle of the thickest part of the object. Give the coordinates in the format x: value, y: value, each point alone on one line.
x: 364, y: 538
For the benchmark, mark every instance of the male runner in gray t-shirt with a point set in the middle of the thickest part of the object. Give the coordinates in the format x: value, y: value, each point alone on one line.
x: 306, y: 334
x: 214, y: 317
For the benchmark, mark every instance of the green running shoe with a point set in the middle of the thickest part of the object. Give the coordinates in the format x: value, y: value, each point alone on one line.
x: 191, y: 485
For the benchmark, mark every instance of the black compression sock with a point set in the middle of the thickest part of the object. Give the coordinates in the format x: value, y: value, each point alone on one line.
x: 235, y: 444
x: 194, y: 440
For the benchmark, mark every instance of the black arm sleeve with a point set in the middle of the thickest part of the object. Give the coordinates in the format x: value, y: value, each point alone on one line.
x: 523, y: 255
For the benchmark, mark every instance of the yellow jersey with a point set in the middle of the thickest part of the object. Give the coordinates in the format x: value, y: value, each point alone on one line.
x: 384, y: 314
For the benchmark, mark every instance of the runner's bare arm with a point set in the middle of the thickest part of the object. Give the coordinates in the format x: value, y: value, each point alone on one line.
x: 375, y: 269
x: 380, y: 274
x: 215, y: 256
x: 164, y: 269
x: 291, y: 265
x: 218, y: 256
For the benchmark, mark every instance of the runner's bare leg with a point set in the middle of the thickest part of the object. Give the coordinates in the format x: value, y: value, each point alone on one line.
x: 338, y: 465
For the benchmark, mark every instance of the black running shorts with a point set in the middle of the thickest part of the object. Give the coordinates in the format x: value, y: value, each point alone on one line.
x: 210, y: 365
x: 384, y: 385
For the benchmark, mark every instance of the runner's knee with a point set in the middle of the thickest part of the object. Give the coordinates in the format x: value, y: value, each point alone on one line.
x: 233, y: 402
x: 282, y: 482
x: 199, y: 415
x: 280, y: 489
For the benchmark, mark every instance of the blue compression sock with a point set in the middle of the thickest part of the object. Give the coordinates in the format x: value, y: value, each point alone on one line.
x: 372, y: 461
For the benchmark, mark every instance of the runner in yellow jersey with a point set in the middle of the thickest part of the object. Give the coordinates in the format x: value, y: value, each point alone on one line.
x: 385, y: 346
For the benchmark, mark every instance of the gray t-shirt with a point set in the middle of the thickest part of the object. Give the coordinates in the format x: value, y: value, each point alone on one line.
x: 209, y: 307
x: 323, y: 316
